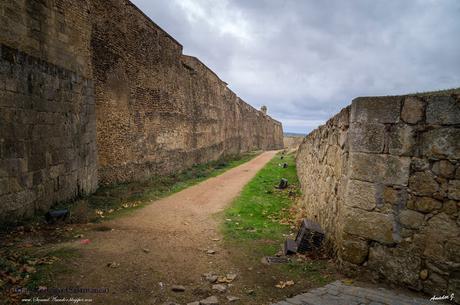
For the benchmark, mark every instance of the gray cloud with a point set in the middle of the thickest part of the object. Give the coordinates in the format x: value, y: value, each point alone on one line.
x: 307, y: 59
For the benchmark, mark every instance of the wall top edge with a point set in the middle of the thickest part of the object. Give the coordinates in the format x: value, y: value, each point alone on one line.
x: 128, y: 2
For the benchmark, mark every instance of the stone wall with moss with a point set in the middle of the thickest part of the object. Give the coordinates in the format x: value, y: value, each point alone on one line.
x: 385, y: 185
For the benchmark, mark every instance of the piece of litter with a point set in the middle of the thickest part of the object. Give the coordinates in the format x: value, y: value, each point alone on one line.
x: 178, y: 288
x: 85, y: 241
x: 113, y: 265
x: 210, y: 252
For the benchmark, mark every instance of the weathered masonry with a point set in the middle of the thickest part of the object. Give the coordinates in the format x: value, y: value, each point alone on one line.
x: 382, y: 177
x: 93, y: 92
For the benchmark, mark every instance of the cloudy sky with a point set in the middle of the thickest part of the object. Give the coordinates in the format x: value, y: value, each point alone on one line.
x: 307, y: 59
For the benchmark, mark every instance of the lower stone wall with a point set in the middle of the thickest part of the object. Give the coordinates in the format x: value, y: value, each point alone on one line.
x: 393, y: 209
x: 292, y: 142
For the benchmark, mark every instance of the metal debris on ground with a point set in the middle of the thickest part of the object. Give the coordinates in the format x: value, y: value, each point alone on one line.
x: 290, y: 247
x: 283, y: 184
x: 276, y: 260
x: 55, y: 216
x: 309, y: 237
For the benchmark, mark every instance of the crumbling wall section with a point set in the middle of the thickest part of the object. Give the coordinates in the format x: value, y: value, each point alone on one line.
x: 400, y: 208
x: 47, y: 116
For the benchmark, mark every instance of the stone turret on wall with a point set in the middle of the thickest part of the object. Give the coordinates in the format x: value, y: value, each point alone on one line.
x: 263, y: 109
x: 383, y: 179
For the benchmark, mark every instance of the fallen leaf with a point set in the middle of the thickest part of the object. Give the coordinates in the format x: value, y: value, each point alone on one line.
x: 28, y: 269
x: 283, y: 284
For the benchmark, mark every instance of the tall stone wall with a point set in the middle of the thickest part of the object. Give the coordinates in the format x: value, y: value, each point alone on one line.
x: 160, y: 111
x: 151, y: 109
x: 322, y: 167
x: 393, y: 208
x: 47, y: 113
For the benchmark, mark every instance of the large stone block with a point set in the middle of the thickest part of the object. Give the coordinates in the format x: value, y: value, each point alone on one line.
x: 413, y: 110
x: 402, y: 140
x: 423, y: 183
x: 355, y: 251
x: 399, y: 265
x: 411, y: 219
x: 441, y: 143
x: 365, y: 137
x: 444, y: 168
x: 443, y: 110
x: 454, y: 189
x: 424, y: 204
x: 379, y: 168
x: 369, y: 225
x: 440, y: 229
x: 376, y: 109
x: 361, y: 194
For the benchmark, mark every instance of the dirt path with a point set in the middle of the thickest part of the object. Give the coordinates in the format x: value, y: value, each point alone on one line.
x: 165, y: 242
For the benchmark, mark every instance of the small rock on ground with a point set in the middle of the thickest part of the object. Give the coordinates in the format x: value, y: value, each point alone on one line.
x: 194, y: 303
x: 212, y: 300
x: 232, y: 298
x: 219, y: 287
x: 178, y: 288
x: 210, y: 277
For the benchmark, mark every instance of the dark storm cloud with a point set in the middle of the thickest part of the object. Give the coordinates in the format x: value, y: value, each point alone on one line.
x: 307, y: 59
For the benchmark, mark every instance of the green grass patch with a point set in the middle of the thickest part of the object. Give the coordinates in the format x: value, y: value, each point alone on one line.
x: 256, y: 225
x: 257, y: 212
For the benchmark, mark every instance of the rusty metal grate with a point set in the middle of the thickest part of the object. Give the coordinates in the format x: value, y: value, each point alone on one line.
x: 310, y: 236
x: 277, y: 260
